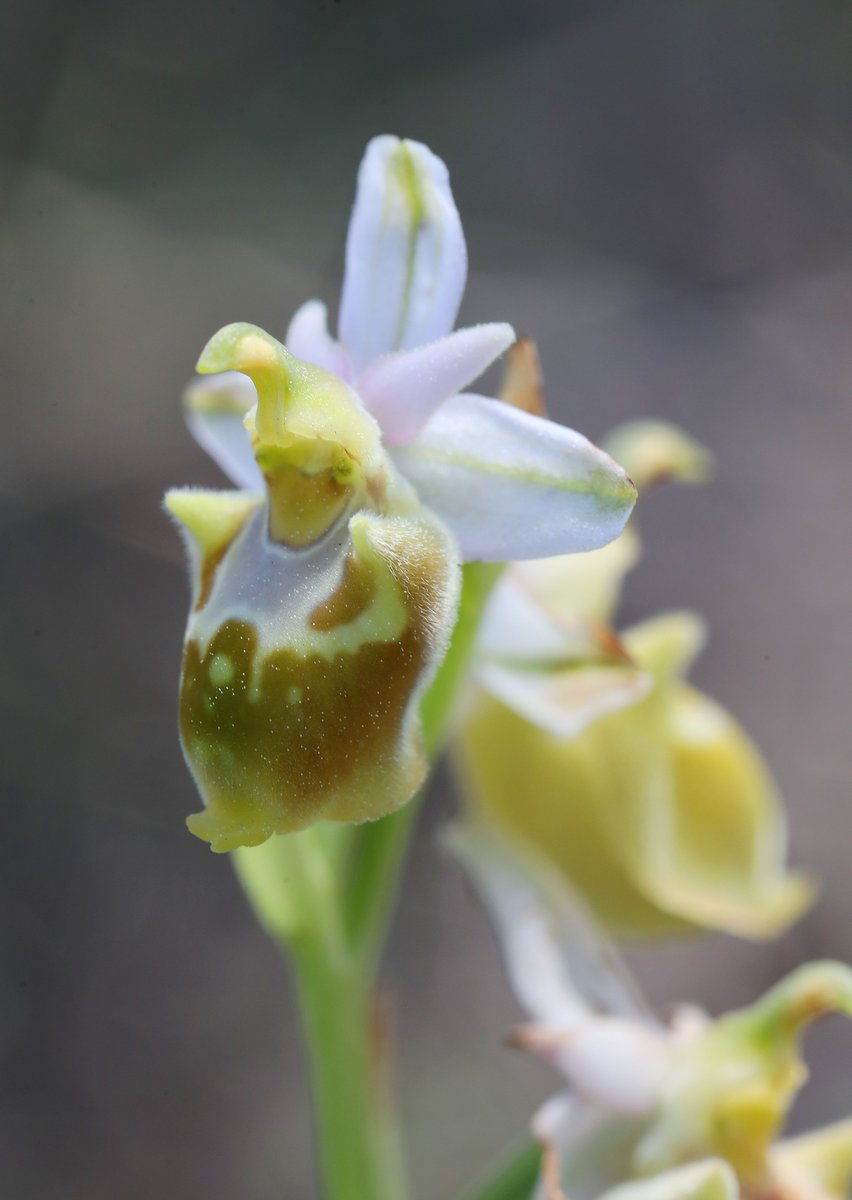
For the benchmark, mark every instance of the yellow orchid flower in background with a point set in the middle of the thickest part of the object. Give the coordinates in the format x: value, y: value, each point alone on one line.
x: 645, y: 792
x: 817, y: 1164
x: 730, y: 1085
x: 593, y: 748
x: 325, y: 590
x: 643, y: 1097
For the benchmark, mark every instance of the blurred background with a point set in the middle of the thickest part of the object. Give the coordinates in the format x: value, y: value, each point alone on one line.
x: 660, y: 193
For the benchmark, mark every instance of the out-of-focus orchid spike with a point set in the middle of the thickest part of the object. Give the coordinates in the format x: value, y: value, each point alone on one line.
x: 642, y: 1098
x: 565, y: 701
x: 653, y: 452
x: 646, y: 794
x: 731, y: 1087
x: 582, y: 587
x: 562, y: 966
x: 518, y: 628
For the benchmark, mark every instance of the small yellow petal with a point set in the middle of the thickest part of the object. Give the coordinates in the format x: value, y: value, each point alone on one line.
x: 711, y: 1179
x: 816, y: 1166
x: 728, y: 828
x: 209, y: 522
x: 733, y: 1084
x: 654, y: 452
x: 583, y: 586
x: 552, y: 794
x: 667, y: 645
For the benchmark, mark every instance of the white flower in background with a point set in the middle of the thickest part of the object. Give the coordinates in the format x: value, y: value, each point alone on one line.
x: 643, y: 1097
x: 325, y: 590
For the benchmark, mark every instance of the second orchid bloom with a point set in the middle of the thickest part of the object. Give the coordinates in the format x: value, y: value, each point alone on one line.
x: 642, y: 1097
x: 593, y: 750
x: 325, y: 589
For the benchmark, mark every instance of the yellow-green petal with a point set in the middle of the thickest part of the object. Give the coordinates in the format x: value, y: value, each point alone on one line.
x: 711, y: 1179
x: 733, y: 1085
x: 585, y: 586
x: 662, y: 813
x: 654, y: 452
x: 816, y: 1166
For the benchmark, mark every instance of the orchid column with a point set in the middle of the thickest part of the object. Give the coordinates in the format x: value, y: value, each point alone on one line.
x: 331, y: 617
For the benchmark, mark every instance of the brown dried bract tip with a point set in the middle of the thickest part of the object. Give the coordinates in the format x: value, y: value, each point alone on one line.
x: 382, y: 1026
x: 522, y: 382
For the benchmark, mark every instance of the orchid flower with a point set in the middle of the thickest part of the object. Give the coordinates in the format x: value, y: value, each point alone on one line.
x: 592, y: 747
x: 325, y: 589
x: 643, y: 1097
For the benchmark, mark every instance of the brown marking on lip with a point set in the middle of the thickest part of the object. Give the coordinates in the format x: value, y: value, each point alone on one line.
x: 350, y: 598
x: 295, y: 737
x: 209, y: 567
x: 302, y: 507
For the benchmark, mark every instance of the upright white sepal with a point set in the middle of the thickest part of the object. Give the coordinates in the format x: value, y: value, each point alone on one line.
x: 406, y: 261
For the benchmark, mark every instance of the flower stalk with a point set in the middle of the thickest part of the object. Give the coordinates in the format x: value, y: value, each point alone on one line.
x: 357, y: 1143
x: 336, y: 599
x: 333, y: 923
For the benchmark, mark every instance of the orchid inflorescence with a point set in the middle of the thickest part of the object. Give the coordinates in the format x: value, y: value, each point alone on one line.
x: 339, y: 632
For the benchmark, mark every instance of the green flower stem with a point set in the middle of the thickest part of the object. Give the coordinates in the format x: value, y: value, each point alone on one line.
x: 294, y: 885
x: 326, y: 896
x: 358, y: 1151
x: 515, y: 1179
